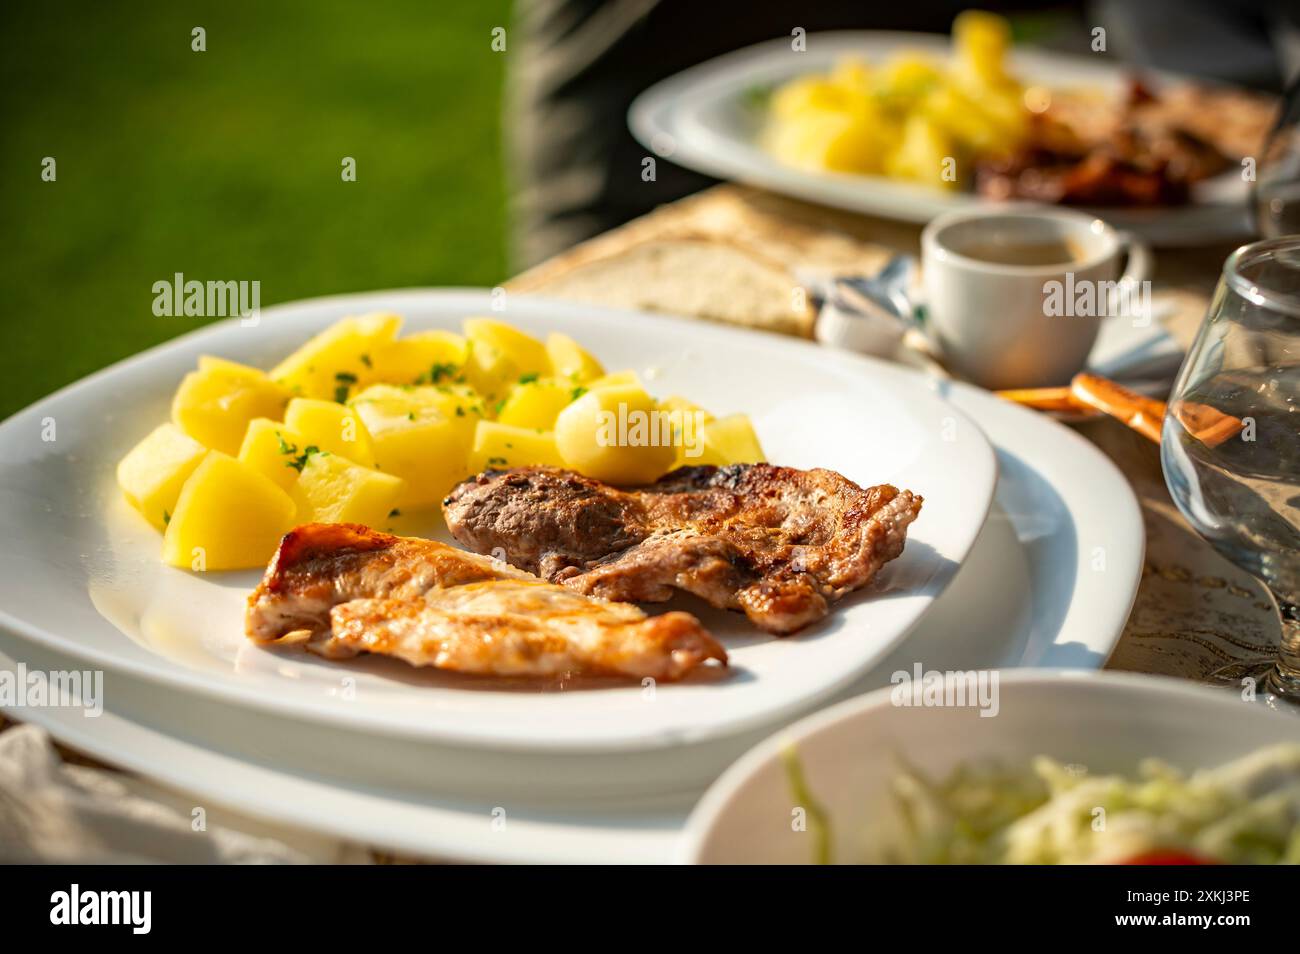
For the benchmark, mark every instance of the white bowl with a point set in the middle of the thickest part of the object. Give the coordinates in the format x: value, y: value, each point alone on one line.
x: 850, y: 754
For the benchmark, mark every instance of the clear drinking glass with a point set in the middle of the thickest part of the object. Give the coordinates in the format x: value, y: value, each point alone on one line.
x: 1231, y: 439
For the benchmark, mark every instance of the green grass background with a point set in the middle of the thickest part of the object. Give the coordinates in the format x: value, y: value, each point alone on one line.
x: 225, y: 164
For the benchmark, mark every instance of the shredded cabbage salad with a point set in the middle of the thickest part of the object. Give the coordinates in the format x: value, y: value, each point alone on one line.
x: 1244, y: 812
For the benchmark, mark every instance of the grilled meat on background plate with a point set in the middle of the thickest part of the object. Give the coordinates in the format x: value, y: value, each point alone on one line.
x: 780, y: 544
x: 357, y: 590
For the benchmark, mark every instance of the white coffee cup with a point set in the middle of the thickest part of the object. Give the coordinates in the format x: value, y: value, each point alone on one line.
x: 1004, y: 324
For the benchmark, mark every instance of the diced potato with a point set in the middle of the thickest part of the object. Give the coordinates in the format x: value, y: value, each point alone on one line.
x: 422, y: 435
x: 332, y: 489
x: 154, y: 471
x: 331, y: 364
x: 428, y: 357
x: 676, y: 404
x: 329, y: 426
x: 616, y: 379
x: 489, y: 372
x: 570, y: 360
x: 524, y: 352
x: 905, y: 78
x: 273, y: 450
x: 499, y: 446
x: 807, y: 94
x: 841, y: 142
x: 616, y: 434
x: 980, y: 41
x: 536, y: 403
x: 214, y: 404
x: 730, y: 440
x: 688, y: 420
x: 499, y: 355
x: 453, y: 400
x: 923, y: 154
x: 228, y: 517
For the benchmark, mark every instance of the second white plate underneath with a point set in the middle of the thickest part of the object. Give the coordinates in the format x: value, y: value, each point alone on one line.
x: 1030, y: 594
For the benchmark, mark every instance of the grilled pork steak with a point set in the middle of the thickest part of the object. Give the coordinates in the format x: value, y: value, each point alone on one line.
x: 358, y: 590
x: 778, y: 543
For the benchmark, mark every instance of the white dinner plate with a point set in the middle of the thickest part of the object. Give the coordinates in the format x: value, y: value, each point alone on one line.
x: 81, y: 570
x: 850, y: 754
x: 704, y: 118
x: 1022, y: 598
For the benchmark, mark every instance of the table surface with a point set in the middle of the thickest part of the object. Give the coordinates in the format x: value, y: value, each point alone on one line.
x: 1196, y: 616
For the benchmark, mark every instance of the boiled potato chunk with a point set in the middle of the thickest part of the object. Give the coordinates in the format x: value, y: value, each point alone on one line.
x: 537, y: 403
x: 329, y: 426
x: 332, y: 363
x: 228, y: 517
x: 214, y: 404
x: 980, y: 41
x: 571, y: 360
x: 273, y: 450
x: 458, y: 400
x: 522, y: 351
x: 616, y: 434
x: 730, y: 440
x: 839, y: 141
x: 331, y: 489
x: 616, y: 379
x: 428, y: 357
x: 807, y: 94
x: 687, y: 419
x: 676, y: 404
x: 500, y: 446
x: 154, y: 471
x: 422, y: 435
x: 924, y: 154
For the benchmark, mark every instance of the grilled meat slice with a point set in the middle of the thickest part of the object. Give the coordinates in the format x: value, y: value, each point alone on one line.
x: 780, y: 544
x: 356, y: 590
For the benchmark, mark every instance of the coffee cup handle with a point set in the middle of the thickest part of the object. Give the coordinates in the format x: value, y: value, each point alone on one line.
x: 1140, y: 262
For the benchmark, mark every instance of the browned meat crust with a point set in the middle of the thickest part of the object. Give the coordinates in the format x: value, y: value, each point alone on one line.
x: 777, y: 543
x: 357, y: 590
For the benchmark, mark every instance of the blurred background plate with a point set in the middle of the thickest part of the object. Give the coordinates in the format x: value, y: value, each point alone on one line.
x: 704, y: 119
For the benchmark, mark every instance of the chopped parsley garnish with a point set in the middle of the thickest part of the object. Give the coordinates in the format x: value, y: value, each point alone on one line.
x: 577, y: 392
x: 460, y: 411
x: 394, y: 512
x: 528, y: 378
x: 343, y: 381
x: 299, y: 462
x: 285, y: 446
x: 167, y: 517
x: 437, y: 372
x: 497, y: 461
x: 365, y: 359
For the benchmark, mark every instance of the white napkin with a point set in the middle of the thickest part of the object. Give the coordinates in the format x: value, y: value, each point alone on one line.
x: 54, y: 812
